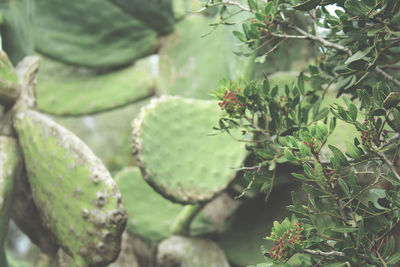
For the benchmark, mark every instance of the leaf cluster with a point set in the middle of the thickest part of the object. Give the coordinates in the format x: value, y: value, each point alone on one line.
x: 350, y: 202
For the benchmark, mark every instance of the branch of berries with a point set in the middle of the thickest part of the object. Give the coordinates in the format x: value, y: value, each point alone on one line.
x: 288, y: 237
x: 231, y: 104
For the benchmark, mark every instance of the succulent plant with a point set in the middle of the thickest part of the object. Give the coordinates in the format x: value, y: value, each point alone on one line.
x: 192, y: 65
x: 9, y: 88
x: 9, y: 167
x: 68, y: 91
x: 78, y: 202
x: 17, y: 28
x: 190, y: 166
x: 147, y: 10
x: 154, y: 218
x: 89, y: 37
x: 74, y: 192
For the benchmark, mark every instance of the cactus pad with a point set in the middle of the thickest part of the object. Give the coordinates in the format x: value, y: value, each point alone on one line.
x: 75, y: 194
x: 65, y: 90
x: 176, y: 154
x: 157, y: 14
x: 152, y: 219
x: 192, y: 65
x: 9, y: 88
x: 17, y: 28
x: 91, y: 33
x: 9, y: 165
x: 149, y: 214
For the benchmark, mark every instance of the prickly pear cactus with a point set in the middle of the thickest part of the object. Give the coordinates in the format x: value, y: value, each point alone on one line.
x: 157, y: 14
x: 9, y: 166
x: 91, y: 33
x: 185, y: 57
x: 17, y: 28
x: 68, y: 91
x: 176, y: 154
x: 152, y: 219
x: 9, y: 88
x: 78, y: 201
x: 72, y: 189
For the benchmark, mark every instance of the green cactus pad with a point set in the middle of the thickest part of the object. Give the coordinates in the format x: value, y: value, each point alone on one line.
x: 17, y: 28
x: 9, y: 88
x: 91, y: 33
x: 177, y: 155
x: 192, y: 65
x: 75, y: 194
x: 65, y: 90
x: 152, y: 219
x: 149, y: 214
x: 115, y: 129
x: 9, y: 165
x: 157, y: 14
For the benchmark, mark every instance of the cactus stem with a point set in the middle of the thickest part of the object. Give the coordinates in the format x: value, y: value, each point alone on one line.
x: 181, y: 226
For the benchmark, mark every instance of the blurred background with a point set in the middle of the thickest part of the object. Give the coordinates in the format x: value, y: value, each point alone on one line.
x: 101, y: 61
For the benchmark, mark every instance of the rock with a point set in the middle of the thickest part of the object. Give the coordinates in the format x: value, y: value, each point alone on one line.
x: 178, y: 251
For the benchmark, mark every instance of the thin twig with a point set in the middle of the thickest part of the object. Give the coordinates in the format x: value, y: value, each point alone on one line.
x: 263, y: 132
x: 226, y: 3
x: 387, y: 76
x: 389, y: 164
x: 394, y: 67
x: 321, y: 40
x: 324, y: 254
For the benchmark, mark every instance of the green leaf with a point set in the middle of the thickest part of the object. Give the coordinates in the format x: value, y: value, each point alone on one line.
x: 388, y: 249
x: 319, y: 175
x: 357, y: 7
x: 353, y: 151
x: 322, y: 114
x: 312, y: 190
x: 295, y: 200
x: 395, y: 123
x: 289, y: 156
x: 391, y: 100
x: 301, y: 177
x: 374, y: 195
x: 395, y: 258
x: 365, y: 98
x: 240, y: 36
x: 304, y: 150
x: 308, y: 5
x: 353, y: 111
x: 358, y: 55
x: 260, y: 59
x: 300, y: 83
x: 344, y: 187
x: 339, y: 156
